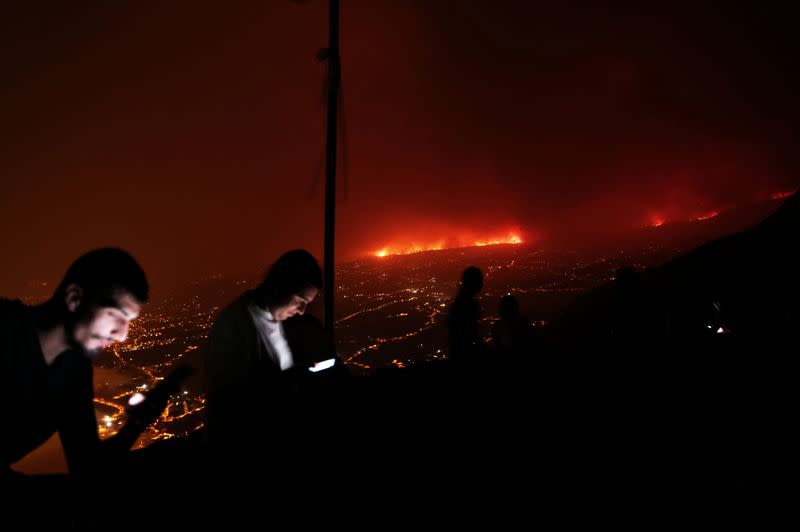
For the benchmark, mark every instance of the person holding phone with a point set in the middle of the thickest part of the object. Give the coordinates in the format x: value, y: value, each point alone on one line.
x: 254, y: 382
x: 46, y: 354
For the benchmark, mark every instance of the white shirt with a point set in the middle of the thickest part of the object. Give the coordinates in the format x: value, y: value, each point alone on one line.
x: 271, y: 332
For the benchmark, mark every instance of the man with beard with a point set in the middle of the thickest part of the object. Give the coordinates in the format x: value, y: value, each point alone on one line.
x: 46, y: 354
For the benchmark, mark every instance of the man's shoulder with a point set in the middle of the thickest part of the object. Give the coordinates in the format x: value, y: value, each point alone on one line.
x: 13, y: 314
x: 17, y: 331
x: 12, y: 307
x: 234, y: 316
x: 236, y: 309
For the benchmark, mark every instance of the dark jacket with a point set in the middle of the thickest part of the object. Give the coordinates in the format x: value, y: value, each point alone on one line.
x: 251, y: 404
x: 36, y: 400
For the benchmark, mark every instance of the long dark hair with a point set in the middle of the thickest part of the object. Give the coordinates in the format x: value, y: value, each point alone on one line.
x: 294, y: 272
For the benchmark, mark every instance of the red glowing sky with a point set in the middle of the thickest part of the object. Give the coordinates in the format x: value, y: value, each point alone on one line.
x: 191, y: 132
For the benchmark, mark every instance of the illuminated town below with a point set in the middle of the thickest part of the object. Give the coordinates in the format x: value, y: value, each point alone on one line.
x: 391, y: 308
x: 391, y: 312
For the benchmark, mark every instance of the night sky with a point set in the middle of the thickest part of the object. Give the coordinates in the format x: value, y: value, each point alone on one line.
x: 191, y: 133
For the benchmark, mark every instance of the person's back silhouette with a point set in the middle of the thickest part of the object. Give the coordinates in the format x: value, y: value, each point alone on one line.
x: 512, y: 333
x: 463, y: 333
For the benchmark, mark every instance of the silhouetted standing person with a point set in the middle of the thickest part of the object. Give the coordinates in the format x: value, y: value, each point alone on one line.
x: 635, y: 318
x: 464, y: 337
x: 512, y: 333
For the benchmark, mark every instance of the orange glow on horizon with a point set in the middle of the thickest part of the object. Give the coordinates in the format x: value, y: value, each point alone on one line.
x: 657, y: 220
x: 707, y: 216
x: 511, y: 238
x: 782, y: 195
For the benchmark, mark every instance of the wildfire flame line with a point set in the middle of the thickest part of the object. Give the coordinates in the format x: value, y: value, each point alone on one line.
x: 512, y: 238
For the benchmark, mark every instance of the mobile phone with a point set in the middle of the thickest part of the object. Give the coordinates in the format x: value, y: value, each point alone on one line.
x: 169, y: 385
x: 136, y: 399
x: 323, y: 365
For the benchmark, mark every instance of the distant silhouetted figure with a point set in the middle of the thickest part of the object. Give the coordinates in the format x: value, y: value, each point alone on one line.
x: 464, y: 336
x: 632, y: 318
x: 512, y: 333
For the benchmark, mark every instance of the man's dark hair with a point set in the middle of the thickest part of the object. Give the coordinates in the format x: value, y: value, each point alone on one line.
x: 103, y: 274
x: 293, y: 272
